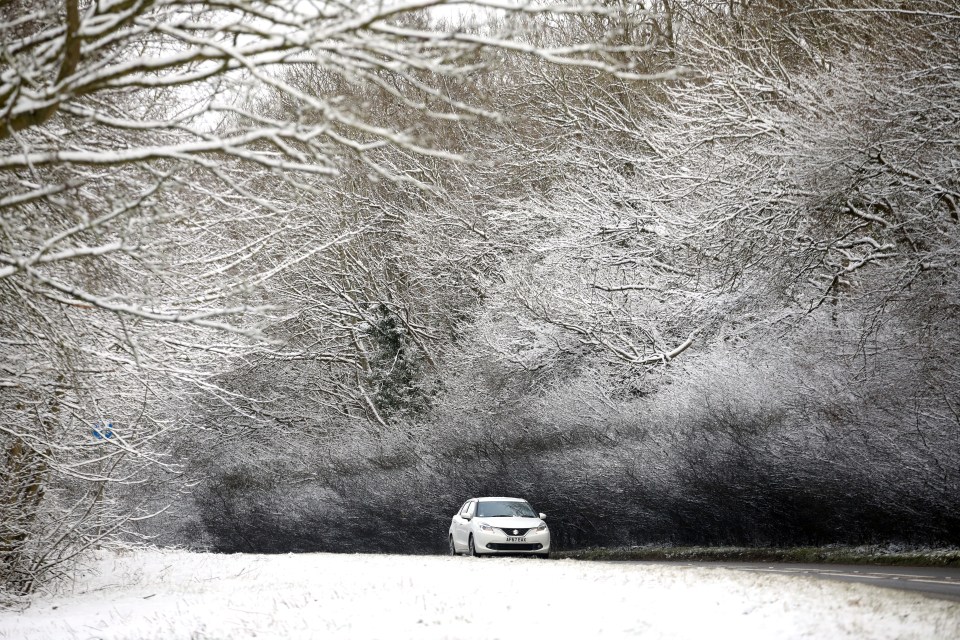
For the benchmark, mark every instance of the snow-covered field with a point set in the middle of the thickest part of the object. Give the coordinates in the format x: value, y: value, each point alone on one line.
x: 168, y: 594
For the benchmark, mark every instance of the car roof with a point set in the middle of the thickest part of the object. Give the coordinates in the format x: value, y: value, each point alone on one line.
x: 488, y: 498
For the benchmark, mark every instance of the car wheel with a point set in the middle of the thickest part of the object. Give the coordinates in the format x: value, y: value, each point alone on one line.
x: 453, y: 548
x: 471, y: 548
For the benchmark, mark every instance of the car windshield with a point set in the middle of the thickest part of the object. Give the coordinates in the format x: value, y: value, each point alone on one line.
x: 505, y: 509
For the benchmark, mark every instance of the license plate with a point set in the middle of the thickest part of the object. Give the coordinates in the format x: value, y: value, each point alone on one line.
x: 515, y: 539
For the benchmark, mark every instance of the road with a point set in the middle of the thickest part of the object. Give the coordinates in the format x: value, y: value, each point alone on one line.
x: 164, y: 594
x: 936, y: 582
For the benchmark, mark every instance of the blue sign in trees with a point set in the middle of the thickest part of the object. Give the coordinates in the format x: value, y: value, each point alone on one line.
x: 102, y: 430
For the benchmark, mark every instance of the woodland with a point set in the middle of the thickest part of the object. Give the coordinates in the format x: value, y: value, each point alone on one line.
x: 304, y: 276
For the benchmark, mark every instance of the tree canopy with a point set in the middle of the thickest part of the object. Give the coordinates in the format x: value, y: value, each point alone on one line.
x: 688, y: 266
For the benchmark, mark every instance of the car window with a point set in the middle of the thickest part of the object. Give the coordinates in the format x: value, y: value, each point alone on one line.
x: 464, y: 510
x: 472, y: 508
x: 505, y: 508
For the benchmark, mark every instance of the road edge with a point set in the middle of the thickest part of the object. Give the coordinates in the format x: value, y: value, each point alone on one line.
x: 865, y: 555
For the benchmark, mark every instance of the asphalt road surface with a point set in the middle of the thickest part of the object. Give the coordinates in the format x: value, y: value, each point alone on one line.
x: 936, y: 582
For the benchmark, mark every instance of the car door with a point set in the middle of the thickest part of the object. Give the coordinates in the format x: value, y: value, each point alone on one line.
x: 461, y: 529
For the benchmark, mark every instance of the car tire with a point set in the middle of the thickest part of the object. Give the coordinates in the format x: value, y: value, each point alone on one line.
x: 453, y: 547
x: 472, y: 548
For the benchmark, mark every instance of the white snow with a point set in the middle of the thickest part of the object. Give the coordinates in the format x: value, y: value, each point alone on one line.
x: 175, y: 594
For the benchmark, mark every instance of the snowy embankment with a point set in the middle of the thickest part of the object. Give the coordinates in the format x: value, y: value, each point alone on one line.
x: 167, y: 595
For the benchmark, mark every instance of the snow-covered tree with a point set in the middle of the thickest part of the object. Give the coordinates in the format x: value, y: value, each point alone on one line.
x: 163, y: 166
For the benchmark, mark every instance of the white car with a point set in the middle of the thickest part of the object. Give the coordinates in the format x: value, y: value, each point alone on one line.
x: 488, y: 526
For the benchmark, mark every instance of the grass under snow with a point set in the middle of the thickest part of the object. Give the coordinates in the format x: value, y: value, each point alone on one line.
x: 169, y: 595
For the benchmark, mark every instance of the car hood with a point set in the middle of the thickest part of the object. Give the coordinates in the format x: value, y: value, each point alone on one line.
x: 511, y: 523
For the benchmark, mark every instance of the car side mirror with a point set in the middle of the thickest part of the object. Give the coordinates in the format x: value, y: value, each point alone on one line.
x: 467, y: 517
x: 543, y: 516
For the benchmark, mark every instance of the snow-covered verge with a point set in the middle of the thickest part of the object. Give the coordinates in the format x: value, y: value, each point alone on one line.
x: 172, y: 594
x: 837, y: 554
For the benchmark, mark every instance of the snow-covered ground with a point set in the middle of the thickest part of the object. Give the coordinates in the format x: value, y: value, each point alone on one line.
x: 169, y: 595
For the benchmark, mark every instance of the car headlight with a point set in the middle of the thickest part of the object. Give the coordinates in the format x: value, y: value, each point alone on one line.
x: 487, y: 528
x: 542, y: 527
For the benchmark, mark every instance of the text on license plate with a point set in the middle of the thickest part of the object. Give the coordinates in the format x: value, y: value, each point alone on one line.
x: 515, y: 538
